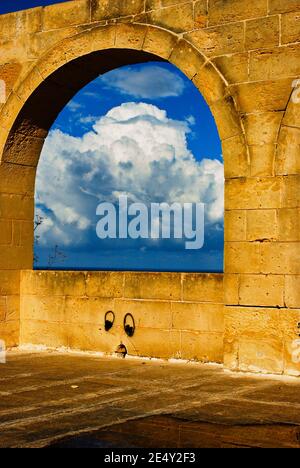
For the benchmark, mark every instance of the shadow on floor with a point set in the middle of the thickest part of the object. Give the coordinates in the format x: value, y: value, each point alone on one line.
x: 169, y: 432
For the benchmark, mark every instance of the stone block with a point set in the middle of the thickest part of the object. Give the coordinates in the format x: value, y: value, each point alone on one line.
x: 105, y: 284
x: 159, y: 42
x: 290, y: 191
x: 290, y: 28
x: 200, y: 287
x: 211, y: 84
x: 204, y: 317
x: 261, y: 356
x: 187, y: 59
x: 202, y: 347
x: 227, y: 118
x: 254, y: 193
x: 280, y: 258
x: 9, y: 282
x: 234, y: 67
x: 48, y: 308
x: 106, y: 9
x: 83, y: 310
x: 292, y: 291
x: 262, y: 159
x: 221, y: 40
x: 235, y: 225
x: 163, y: 286
x: 10, y: 333
x: 148, y: 342
x: 262, y: 96
x: 235, y: 155
x: 16, y: 206
x: 178, y: 18
x: 262, y: 128
x: 283, y: 6
x: 5, y: 232
x: 262, y: 225
x: 289, y: 225
x: 231, y: 289
x: 262, y: 33
x: 223, y: 11
x: 54, y: 283
x: 201, y: 14
x: 66, y: 14
x: 262, y: 290
x: 271, y: 64
x: 242, y: 257
x: 40, y: 332
x: 130, y: 36
x: 146, y: 314
x: 287, y: 158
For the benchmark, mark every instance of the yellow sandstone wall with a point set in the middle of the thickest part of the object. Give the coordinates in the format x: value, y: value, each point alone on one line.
x: 244, y: 57
x: 177, y: 315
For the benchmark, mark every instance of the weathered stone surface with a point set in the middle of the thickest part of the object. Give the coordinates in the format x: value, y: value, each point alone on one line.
x: 283, y: 6
x: 290, y: 28
x: 234, y: 67
x: 227, y: 39
x: 263, y: 128
x: 66, y: 14
x: 222, y: 11
x: 262, y: 33
x: 5, y: 232
x: 105, y: 284
x: 262, y: 225
x: 280, y: 258
x: 292, y: 291
x: 262, y: 290
x: 258, y: 193
x: 201, y: 14
x: 177, y: 18
x: 212, y: 88
x: 159, y: 42
x: 153, y: 286
x: 227, y: 118
x: 262, y: 96
x: 202, y: 347
x: 289, y: 225
x: 187, y: 59
x: 206, y: 317
x: 242, y: 257
x: 290, y: 191
x: 203, y: 288
x: 287, y: 157
x: 130, y: 37
x: 105, y: 9
x: 262, y: 159
x: 235, y: 225
x: 236, y: 161
x: 231, y: 289
x: 270, y: 64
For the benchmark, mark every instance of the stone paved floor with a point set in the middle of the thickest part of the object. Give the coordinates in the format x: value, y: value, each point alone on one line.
x: 45, y: 397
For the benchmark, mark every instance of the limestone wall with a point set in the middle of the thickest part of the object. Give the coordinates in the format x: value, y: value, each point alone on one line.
x: 244, y: 57
x: 176, y: 315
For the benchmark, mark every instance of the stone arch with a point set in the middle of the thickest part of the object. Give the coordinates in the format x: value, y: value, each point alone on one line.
x: 30, y: 111
x: 287, y: 161
x: 118, y: 45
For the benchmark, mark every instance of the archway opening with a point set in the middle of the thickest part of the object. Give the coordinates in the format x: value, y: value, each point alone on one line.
x: 142, y: 131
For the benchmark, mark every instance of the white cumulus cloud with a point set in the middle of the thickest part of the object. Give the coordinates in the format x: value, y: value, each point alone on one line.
x: 134, y: 149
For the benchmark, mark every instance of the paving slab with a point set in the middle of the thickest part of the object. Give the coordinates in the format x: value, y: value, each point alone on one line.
x: 52, y: 399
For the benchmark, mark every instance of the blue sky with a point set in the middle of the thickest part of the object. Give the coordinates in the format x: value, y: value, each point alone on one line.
x: 7, y: 6
x: 142, y: 130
